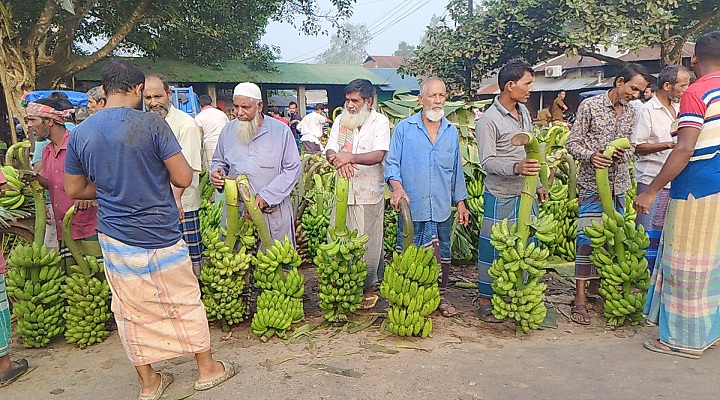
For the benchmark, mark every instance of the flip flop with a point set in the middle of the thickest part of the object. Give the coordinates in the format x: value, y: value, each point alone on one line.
x: 231, y: 369
x: 445, y: 309
x: 9, y: 376
x: 370, y: 302
x: 166, y: 379
x: 672, y: 351
x: 485, y: 314
x: 582, y: 310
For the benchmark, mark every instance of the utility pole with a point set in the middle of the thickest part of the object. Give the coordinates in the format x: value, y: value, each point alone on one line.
x: 468, y: 67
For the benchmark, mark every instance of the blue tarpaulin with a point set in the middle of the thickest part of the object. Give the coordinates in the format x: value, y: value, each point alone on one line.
x: 77, y: 99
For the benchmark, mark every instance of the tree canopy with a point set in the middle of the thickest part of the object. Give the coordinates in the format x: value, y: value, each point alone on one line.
x: 347, y: 46
x: 538, y: 30
x: 404, y: 49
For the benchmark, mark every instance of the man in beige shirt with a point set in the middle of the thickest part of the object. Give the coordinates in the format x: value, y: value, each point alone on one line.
x: 358, y: 142
x: 559, y: 107
x: 157, y: 95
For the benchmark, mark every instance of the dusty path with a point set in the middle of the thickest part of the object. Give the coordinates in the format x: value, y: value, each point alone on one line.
x: 466, y: 359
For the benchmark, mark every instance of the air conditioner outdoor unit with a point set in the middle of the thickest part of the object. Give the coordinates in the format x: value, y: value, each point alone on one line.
x: 553, y: 71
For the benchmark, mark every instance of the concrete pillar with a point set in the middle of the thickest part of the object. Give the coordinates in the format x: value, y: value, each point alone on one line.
x: 212, y: 92
x: 302, y: 105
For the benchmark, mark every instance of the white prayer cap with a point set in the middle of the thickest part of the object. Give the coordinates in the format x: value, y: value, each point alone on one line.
x: 248, y: 89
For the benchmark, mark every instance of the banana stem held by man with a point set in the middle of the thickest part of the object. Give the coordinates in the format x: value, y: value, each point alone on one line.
x: 527, y: 197
x: 544, y: 170
x: 40, y: 212
x: 233, y: 212
x: 408, y: 231
x: 342, y: 188
x: 71, y: 244
x: 248, y: 198
x: 572, y: 176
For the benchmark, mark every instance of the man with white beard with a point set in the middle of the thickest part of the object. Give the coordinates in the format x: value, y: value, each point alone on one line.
x: 423, y: 166
x: 358, y: 142
x: 263, y: 149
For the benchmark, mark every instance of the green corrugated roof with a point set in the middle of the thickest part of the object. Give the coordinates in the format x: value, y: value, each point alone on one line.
x: 235, y: 71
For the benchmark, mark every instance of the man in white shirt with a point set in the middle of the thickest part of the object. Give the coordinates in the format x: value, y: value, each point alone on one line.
x: 157, y: 95
x: 312, y: 127
x: 359, y: 140
x: 211, y: 121
x: 653, y: 144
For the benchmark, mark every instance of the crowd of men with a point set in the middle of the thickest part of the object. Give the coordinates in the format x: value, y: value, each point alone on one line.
x: 134, y: 177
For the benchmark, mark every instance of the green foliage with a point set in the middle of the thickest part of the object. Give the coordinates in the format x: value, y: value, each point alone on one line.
x: 347, y: 46
x: 404, y: 49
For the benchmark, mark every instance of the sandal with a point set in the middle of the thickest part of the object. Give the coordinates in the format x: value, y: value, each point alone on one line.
x: 582, y: 311
x: 655, y: 346
x: 370, y: 302
x: 446, y: 309
x: 166, y: 379
x: 485, y: 314
x: 9, y: 376
x: 231, y: 369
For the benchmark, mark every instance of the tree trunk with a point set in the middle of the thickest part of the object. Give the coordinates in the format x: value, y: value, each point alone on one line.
x: 18, y: 76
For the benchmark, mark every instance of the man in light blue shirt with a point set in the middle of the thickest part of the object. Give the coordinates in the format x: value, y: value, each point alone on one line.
x: 423, y: 166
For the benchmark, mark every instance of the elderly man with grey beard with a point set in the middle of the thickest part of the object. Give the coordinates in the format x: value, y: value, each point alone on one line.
x: 423, y: 166
x: 263, y: 149
x: 358, y: 142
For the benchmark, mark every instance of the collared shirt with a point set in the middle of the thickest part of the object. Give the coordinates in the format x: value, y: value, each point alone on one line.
x: 188, y: 135
x: 494, y: 132
x: 652, y: 125
x: 83, y: 223
x: 367, y: 186
x: 544, y: 117
x: 311, y: 127
x: 596, y: 125
x: 700, y: 109
x: 557, y: 110
x: 270, y: 161
x: 294, y: 121
x: 430, y: 173
x: 211, y: 120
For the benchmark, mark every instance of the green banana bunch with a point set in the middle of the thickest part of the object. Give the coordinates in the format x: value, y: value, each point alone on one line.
x: 619, y: 256
x: 86, y: 310
x: 316, y: 217
x: 411, y: 289
x: 280, y: 304
x: 223, y: 279
x: 390, y: 228
x: 210, y: 214
x: 475, y: 201
x: 516, y: 297
x: 206, y: 187
x: 561, y: 240
x: 34, y: 280
x: 341, y: 273
x: 13, y: 198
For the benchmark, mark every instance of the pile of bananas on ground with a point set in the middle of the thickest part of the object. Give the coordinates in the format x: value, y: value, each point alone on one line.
x: 223, y: 279
x: 411, y: 289
x: 34, y: 280
x: 565, y: 212
x: 341, y: 273
x: 517, y: 297
x: 280, y: 303
x: 390, y: 228
x: 86, y: 310
x: 13, y: 197
x: 621, y: 265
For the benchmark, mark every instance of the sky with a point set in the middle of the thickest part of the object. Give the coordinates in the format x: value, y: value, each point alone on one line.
x: 389, y: 21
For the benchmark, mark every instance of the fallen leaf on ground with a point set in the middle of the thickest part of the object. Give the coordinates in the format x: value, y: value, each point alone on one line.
x: 269, y: 364
x: 336, y: 370
x: 57, y: 391
x: 378, y: 348
x: 411, y: 346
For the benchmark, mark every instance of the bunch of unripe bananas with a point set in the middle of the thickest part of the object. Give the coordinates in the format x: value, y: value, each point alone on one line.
x: 224, y: 278
x: 475, y: 200
x: 564, y: 212
x: 206, y: 187
x: 34, y: 280
x: 316, y: 218
x: 210, y: 214
x: 280, y: 303
x: 516, y: 274
x: 341, y: 274
x: 13, y: 197
x: 390, y: 228
x: 86, y: 310
x: 619, y: 256
x: 411, y: 289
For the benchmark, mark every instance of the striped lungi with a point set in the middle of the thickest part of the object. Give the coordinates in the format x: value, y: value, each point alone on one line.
x: 428, y: 234
x: 5, y: 325
x: 156, y: 301
x: 653, y: 222
x: 190, y: 227
x: 684, y: 295
x: 589, y: 210
x: 496, y: 210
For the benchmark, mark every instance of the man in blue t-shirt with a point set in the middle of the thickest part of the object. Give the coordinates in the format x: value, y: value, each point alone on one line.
x: 127, y: 159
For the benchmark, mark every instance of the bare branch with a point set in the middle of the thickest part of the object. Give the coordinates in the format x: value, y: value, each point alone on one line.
x: 700, y: 24
x: 610, y: 60
x: 43, y: 24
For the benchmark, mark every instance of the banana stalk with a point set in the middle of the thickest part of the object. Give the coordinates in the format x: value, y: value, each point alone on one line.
x: 40, y: 212
x: 408, y: 231
x: 572, y: 176
x: 527, y: 197
x: 71, y: 244
x: 248, y: 197
x: 544, y: 170
x: 342, y: 187
x: 233, y: 212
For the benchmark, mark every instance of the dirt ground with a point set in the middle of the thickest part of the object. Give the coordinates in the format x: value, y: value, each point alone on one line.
x: 464, y: 359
